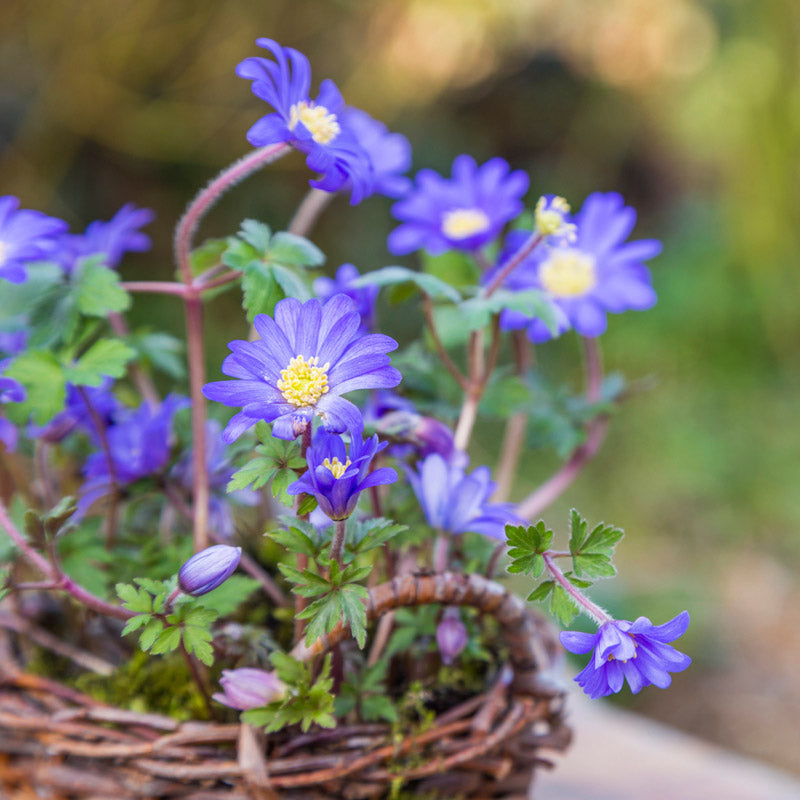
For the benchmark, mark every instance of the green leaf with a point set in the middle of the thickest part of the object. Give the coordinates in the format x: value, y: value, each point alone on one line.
x: 150, y: 633
x: 134, y: 623
x: 292, y: 285
x: 105, y: 358
x: 43, y: 378
x: 295, y: 541
x: 207, y: 255
x: 562, y: 606
x: 591, y: 555
x: 197, y: 641
x: 376, y: 707
x: 168, y: 640
x: 542, y: 591
x: 355, y: 613
x: 454, y: 267
x: 257, y: 471
x: 434, y: 287
x: 371, y: 533
x: 307, y: 505
x: 97, y: 289
x: 261, y: 290
x: 282, y: 479
x: 290, y: 670
x: 136, y: 600
x: 526, y: 546
x: 256, y: 234
x: 292, y: 250
x: 595, y: 565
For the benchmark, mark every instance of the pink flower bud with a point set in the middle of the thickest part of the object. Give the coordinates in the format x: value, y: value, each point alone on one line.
x: 451, y: 636
x: 247, y: 688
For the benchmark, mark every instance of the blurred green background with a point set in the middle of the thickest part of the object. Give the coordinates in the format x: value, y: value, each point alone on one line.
x: 690, y: 108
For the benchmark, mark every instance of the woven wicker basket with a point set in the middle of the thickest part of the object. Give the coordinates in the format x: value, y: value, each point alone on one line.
x: 59, y: 744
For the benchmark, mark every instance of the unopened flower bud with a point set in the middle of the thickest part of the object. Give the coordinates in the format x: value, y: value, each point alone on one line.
x: 208, y: 569
x: 553, y: 217
x: 247, y: 688
x: 434, y: 437
x: 451, y: 636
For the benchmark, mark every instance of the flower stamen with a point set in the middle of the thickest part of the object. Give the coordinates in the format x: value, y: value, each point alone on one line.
x: 336, y: 467
x: 320, y: 123
x: 568, y: 273
x: 302, y: 383
x: 460, y: 223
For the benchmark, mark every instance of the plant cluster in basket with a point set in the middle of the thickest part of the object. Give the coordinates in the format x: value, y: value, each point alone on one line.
x: 283, y: 583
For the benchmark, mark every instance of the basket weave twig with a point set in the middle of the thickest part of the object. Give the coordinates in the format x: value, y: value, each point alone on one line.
x: 60, y: 744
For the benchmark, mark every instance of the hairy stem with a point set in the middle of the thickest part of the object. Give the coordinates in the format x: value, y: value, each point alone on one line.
x: 450, y: 365
x: 586, y: 605
x: 337, y: 545
x: 309, y: 211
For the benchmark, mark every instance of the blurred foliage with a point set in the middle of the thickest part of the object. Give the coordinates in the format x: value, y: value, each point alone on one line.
x: 690, y: 108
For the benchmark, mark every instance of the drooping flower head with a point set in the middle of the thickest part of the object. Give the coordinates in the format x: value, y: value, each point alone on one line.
x: 337, y: 477
x: 595, y: 272
x: 78, y: 415
x: 634, y: 651
x: 25, y: 236
x: 220, y: 471
x: 208, y: 569
x: 314, y: 127
x: 112, y: 239
x: 247, y: 688
x: 10, y: 392
x: 389, y: 153
x: 139, y: 443
x: 463, y: 212
x: 363, y: 297
x: 456, y: 502
x: 308, y: 356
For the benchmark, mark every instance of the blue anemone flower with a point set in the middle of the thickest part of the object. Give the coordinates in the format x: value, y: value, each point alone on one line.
x: 389, y: 153
x: 634, y: 651
x: 25, y: 236
x: 456, y: 502
x: 308, y: 356
x: 314, y: 127
x: 463, y: 212
x: 591, y: 272
x: 139, y: 444
x: 112, y: 238
x: 337, y: 478
x: 364, y: 297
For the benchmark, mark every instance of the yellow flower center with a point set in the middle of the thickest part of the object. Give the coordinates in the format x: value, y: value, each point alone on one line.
x: 550, y: 218
x: 336, y: 467
x: 568, y: 273
x: 321, y: 124
x: 463, y: 222
x: 302, y: 383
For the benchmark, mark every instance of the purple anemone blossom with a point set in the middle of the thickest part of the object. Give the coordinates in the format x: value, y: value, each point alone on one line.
x: 25, y: 236
x: 456, y: 502
x: 634, y: 651
x: 389, y: 153
x: 308, y: 356
x: 10, y: 392
x: 247, y: 688
x: 220, y: 471
x: 139, y: 443
x: 585, y: 275
x: 314, y: 127
x: 337, y: 478
x: 208, y: 569
x: 364, y: 297
x: 464, y: 212
x: 451, y: 635
x: 112, y: 239
x: 13, y: 342
x: 77, y: 414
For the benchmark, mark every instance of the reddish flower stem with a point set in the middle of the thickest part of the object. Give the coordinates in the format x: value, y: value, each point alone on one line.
x: 590, y: 608
x: 309, y: 210
x: 60, y: 581
x: 524, y: 251
x: 191, y: 294
x: 155, y: 287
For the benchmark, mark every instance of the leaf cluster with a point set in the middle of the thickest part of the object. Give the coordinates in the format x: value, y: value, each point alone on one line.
x: 277, y: 460
x: 272, y: 265
x: 367, y: 693
x: 187, y: 624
